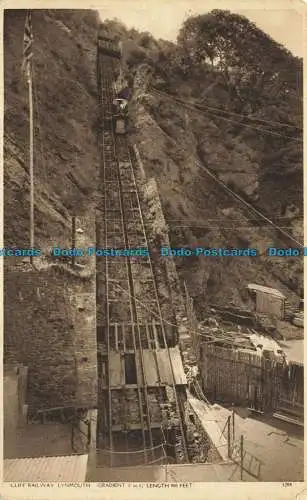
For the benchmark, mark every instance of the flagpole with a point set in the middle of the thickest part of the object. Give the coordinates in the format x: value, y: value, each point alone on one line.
x: 31, y: 157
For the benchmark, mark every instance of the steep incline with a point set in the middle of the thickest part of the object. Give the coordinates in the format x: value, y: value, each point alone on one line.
x: 65, y: 107
x: 200, y: 213
x: 197, y: 210
x: 258, y: 166
x: 49, y: 316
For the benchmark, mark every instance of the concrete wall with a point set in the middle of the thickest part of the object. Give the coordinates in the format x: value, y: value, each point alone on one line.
x: 38, y: 330
x: 49, y: 326
x: 82, y: 296
x: 84, y: 341
x: 171, y: 300
x: 11, y: 413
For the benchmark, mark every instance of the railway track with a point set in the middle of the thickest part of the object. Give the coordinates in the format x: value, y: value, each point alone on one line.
x: 114, y: 236
x: 144, y: 266
x: 130, y: 321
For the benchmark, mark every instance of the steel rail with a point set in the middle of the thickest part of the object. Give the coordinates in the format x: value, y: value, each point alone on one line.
x: 107, y: 301
x: 106, y: 281
x: 106, y: 102
x: 128, y: 277
x: 159, y: 308
x: 135, y: 322
x: 121, y: 151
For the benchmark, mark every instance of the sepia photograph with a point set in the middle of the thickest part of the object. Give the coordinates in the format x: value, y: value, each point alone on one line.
x: 153, y: 244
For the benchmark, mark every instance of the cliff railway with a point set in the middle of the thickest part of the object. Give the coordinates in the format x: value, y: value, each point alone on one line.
x: 141, y: 379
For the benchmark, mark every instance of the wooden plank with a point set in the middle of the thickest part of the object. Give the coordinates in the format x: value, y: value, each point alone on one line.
x: 139, y: 372
x: 164, y: 367
x: 155, y: 334
x: 150, y: 368
x: 124, y: 337
x: 180, y: 377
x: 116, y: 336
x: 151, y: 342
x: 115, y: 369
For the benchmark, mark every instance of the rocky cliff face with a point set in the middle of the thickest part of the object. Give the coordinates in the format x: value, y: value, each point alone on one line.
x: 200, y: 213
x: 49, y: 315
x: 66, y: 156
x: 176, y: 142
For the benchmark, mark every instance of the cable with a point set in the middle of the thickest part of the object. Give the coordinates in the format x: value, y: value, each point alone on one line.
x: 162, y: 445
x: 238, y: 222
x: 225, y: 340
x: 217, y: 219
x: 235, y: 195
x: 194, y: 108
x: 222, y: 227
x: 246, y: 116
x: 197, y: 108
x: 273, y: 122
x: 188, y: 223
x: 143, y: 450
x: 163, y: 457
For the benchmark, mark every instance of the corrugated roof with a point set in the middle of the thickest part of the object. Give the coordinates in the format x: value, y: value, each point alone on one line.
x: 69, y: 469
x: 265, y: 289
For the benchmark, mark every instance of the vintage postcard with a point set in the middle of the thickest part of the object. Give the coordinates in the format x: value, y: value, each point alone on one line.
x: 153, y: 248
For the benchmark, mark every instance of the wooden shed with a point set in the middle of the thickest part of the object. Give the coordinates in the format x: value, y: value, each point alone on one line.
x: 268, y: 300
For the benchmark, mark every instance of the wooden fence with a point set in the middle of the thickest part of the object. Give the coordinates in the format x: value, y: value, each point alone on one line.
x: 245, y: 378
x: 192, y: 323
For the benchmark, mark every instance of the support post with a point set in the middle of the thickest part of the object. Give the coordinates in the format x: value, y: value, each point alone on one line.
x: 228, y: 437
x: 241, y: 456
x: 31, y: 161
x: 72, y: 438
x: 89, y: 433
x: 233, y: 426
x: 73, y: 239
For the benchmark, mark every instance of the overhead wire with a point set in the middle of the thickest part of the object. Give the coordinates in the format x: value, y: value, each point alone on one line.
x: 241, y: 115
x: 210, y: 227
x: 254, y: 118
x: 141, y: 450
x: 189, y: 222
x: 163, y: 457
x: 223, y: 339
x: 235, y: 195
x: 218, y: 219
x: 197, y: 109
x: 196, y: 226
